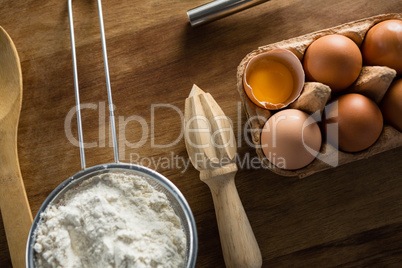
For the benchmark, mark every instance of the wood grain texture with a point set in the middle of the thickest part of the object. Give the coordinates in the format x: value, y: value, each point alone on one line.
x: 348, y: 216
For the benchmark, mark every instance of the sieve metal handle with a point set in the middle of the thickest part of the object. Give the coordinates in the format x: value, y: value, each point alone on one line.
x: 77, y: 92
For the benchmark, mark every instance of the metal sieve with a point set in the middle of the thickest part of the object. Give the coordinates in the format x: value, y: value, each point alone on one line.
x: 156, y: 180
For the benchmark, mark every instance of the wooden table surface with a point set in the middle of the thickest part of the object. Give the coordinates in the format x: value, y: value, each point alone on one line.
x: 348, y: 216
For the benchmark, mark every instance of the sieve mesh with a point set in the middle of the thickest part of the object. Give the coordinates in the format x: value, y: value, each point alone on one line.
x: 156, y: 180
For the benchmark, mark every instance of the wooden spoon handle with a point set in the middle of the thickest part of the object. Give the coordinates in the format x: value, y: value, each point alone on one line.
x: 239, y: 246
x: 15, y: 210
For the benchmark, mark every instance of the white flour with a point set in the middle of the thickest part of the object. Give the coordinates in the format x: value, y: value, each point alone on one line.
x: 113, y: 220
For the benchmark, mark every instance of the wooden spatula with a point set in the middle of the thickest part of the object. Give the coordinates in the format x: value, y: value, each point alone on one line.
x: 211, y: 146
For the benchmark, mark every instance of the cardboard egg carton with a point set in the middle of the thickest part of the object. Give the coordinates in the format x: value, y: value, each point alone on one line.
x: 372, y: 82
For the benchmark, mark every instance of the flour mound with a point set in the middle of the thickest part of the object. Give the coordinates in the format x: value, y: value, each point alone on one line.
x: 110, y: 220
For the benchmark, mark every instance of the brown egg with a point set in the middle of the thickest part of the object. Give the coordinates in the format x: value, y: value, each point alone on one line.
x: 391, y: 105
x: 382, y: 45
x: 291, y: 139
x: 352, y: 122
x: 334, y: 60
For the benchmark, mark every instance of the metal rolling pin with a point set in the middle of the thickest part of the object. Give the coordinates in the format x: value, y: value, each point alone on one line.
x: 218, y: 9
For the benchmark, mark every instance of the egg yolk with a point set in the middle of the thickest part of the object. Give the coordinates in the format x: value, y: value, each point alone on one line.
x: 271, y: 81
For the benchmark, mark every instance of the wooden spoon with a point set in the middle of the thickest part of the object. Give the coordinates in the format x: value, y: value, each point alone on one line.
x: 14, y: 206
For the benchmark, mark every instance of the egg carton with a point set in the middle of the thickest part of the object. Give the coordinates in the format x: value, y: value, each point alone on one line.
x: 373, y: 82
